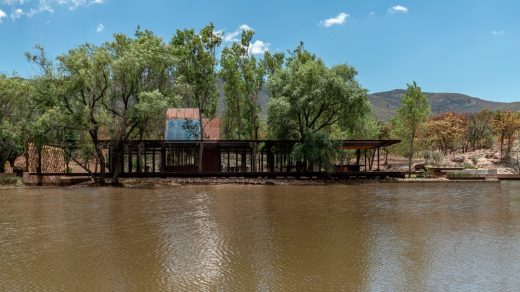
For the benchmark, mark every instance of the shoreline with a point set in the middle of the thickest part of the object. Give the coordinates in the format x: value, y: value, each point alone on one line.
x: 148, y: 183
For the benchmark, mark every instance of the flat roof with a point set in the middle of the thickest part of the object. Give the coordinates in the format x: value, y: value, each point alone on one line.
x: 345, y: 144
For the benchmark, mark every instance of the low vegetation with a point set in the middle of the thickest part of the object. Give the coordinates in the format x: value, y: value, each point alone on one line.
x: 462, y: 175
x: 8, y: 180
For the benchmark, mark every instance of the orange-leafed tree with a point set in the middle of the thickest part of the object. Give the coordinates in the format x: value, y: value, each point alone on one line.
x: 446, y: 132
x: 480, y: 130
x: 506, y: 125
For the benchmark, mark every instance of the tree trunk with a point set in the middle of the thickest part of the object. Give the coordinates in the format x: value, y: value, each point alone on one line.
x: 101, y: 180
x: 501, y: 146
x: 118, y: 152
x: 253, y: 159
x: 39, y: 151
x: 201, y: 145
x: 239, y: 121
x: 26, y: 155
x: 410, y: 155
x: 227, y: 125
x: 371, y: 159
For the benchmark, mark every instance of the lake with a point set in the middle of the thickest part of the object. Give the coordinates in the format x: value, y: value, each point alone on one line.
x: 367, y: 237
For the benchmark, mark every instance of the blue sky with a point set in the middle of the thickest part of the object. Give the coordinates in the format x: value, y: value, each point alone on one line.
x: 465, y: 46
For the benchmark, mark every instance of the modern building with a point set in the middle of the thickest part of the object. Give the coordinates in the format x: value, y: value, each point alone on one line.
x: 179, y: 154
x: 184, y: 124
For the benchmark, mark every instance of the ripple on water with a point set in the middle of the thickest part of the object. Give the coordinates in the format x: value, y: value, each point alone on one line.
x: 338, y: 237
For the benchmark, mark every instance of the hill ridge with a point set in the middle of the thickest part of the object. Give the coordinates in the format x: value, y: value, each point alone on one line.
x: 386, y: 103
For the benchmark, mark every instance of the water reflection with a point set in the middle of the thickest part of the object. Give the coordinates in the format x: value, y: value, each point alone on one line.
x: 365, y: 237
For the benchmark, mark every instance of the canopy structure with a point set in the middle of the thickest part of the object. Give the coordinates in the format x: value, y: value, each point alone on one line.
x: 235, y: 158
x: 367, y: 144
x: 238, y: 158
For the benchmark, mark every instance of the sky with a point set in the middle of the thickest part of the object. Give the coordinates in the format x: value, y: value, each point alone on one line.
x: 463, y: 46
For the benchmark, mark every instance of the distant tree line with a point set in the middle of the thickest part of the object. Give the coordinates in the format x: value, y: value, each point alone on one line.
x: 450, y: 132
x: 120, y: 90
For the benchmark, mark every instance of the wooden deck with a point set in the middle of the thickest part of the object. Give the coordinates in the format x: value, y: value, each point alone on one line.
x: 509, y: 177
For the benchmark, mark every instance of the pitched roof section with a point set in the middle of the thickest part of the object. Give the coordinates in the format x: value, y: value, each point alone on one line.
x: 182, y: 114
x: 176, y: 131
x: 211, y: 129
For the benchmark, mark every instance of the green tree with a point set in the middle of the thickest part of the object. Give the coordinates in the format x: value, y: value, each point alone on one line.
x: 43, y: 122
x: 196, y: 72
x: 85, y: 81
x: 233, y: 89
x: 411, y: 116
x: 14, y: 94
x: 140, y: 92
x: 244, y: 76
x: 309, y: 99
x: 119, y: 91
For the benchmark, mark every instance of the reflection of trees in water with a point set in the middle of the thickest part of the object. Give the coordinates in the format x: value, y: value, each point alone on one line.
x: 340, y: 237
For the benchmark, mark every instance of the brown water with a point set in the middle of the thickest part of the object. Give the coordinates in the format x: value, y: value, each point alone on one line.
x: 418, y: 237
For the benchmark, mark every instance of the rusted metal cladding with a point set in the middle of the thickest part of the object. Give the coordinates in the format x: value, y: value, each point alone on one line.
x: 184, y: 124
x: 211, y: 158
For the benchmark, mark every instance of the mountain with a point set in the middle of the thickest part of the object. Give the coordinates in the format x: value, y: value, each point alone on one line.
x: 385, y: 104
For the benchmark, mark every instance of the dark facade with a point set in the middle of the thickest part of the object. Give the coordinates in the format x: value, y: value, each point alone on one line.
x: 239, y: 158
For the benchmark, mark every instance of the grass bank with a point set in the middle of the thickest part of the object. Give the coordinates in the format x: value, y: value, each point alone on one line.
x: 9, y: 180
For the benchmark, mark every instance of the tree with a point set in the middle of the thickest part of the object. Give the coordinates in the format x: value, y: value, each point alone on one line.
x: 413, y: 112
x: 446, y: 131
x: 385, y: 133
x: 480, y: 130
x: 140, y: 92
x: 308, y: 99
x: 14, y: 94
x: 244, y: 76
x: 43, y: 122
x: 506, y: 126
x: 368, y: 128
x: 233, y: 90
x: 116, y: 91
x: 86, y: 81
x: 196, y: 72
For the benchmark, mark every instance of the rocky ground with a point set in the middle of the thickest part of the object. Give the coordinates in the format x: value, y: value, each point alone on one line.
x: 479, y: 159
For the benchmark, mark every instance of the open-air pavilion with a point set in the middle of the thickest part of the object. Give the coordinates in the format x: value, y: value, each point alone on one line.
x: 241, y: 158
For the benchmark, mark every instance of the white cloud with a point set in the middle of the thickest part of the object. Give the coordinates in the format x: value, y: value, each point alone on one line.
x: 2, y: 15
x: 372, y: 13
x: 73, y: 4
x: 39, y: 9
x: 17, y: 13
x: 498, y: 32
x: 258, y: 47
x: 245, y: 27
x: 38, y: 6
x: 233, y: 36
x: 12, y: 2
x: 398, y: 9
x: 338, y: 20
x: 100, y: 27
